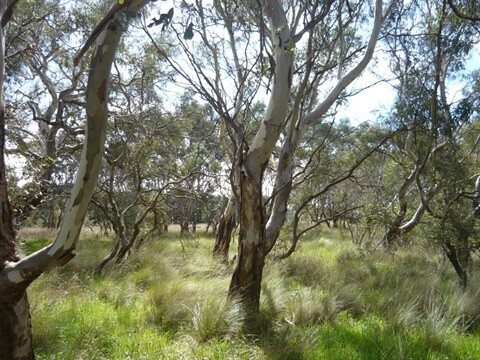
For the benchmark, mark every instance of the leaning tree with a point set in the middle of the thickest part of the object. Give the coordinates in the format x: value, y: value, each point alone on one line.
x: 16, y: 274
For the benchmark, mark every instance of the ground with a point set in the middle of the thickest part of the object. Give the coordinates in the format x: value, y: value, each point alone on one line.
x: 327, y: 301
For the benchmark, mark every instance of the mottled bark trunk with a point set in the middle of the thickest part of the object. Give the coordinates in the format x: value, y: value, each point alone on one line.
x: 252, y: 243
x: 15, y: 329
x: 226, y: 225
x: 256, y: 238
x: 247, y: 277
x: 246, y: 281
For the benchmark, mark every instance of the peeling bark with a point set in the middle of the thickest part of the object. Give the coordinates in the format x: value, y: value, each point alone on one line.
x: 247, y: 277
x: 246, y: 280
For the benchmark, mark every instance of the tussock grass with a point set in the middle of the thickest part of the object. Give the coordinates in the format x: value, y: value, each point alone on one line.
x: 327, y: 301
x: 308, y: 306
x: 215, y: 318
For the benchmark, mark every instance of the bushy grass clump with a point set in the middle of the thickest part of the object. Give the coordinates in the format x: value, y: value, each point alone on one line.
x: 168, y: 300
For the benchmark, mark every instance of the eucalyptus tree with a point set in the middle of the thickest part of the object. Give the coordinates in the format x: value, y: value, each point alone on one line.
x: 133, y: 179
x: 452, y: 219
x: 199, y: 160
x: 45, y: 101
x: 154, y: 162
x: 330, y: 181
x: 429, y: 45
x: 139, y: 161
x: 17, y: 274
x: 302, y: 57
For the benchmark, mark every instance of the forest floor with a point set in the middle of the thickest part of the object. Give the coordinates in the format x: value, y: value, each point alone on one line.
x: 327, y: 301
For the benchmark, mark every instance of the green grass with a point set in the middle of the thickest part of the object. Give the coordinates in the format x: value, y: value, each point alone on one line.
x: 327, y: 301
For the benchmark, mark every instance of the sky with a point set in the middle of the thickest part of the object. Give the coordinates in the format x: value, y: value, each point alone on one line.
x: 378, y: 99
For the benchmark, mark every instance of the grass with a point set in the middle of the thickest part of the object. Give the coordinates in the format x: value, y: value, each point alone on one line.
x: 327, y: 301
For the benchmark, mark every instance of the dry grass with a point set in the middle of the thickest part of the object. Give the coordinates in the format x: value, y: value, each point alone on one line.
x: 32, y: 232
x: 35, y: 232
x: 175, y: 228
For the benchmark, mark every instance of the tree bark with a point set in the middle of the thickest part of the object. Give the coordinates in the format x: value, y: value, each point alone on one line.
x: 7, y: 232
x: 15, y: 329
x: 15, y: 324
x: 247, y: 277
x: 396, y: 228
x: 110, y: 256
x: 226, y: 225
x: 476, y: 198
x: 184, y: 228
x: 460, y: 259
x: 246, y: 280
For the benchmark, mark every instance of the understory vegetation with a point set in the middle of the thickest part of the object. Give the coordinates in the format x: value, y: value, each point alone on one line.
x: 327, y: 301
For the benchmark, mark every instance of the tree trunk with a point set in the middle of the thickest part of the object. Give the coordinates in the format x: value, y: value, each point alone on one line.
x: 460, y: 259
x: 397, y: 229
x: 256, y: 239
x: 247, y: 277
x: 476, y: 198
x: 252, y: 243
x: 111, y: 255
x: 16, y: 329
x: 393, y: 232
x: 226, y: 225
x: 15, y: 324
x: 184, y: 230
